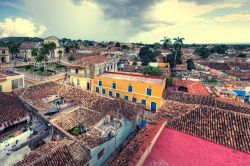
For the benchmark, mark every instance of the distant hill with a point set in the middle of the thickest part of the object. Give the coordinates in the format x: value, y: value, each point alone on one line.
x: 21, y: 39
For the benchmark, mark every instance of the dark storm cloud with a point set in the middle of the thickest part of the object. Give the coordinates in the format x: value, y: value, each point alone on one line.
x: 131, y: 11
x: 77, y: 2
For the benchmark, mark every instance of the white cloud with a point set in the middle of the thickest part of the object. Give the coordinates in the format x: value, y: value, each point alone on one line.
x: 189, y: 23
x: 20, y: 27
x: 239, y: 17
x: 87, y: 20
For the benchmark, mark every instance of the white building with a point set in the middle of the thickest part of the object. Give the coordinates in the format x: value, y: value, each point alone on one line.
x: 53, y: 39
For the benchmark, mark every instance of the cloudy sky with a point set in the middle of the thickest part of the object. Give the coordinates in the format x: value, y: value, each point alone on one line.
x: 198, y: 21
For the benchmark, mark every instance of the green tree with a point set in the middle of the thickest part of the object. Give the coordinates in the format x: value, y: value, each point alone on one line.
x: 190, y: 64
x: 220, y: 49
x: 146, y: 55
x: 178, y: 44
x: 75, y: 131
x: 51, y: 47
x: 170, y: 81
x: 242, y: 55
x: 156, y: 46
x: 60, y: 55
x: 125, y: 47
x: 14, y: 50
x: 203, y: 52
x: 43, y: 55
x: 174, y: 58
x: 117, y: 44
x: 166, y: 42
x: 71, y: 58
x: 34, y: 53
x: 134, y: 63
x: 148, y: 70
x: 171, y: 60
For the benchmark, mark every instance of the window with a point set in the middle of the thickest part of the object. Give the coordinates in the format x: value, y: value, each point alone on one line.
x: 126, y: 97
x: 117, y: 95
x: 130, y: 88
x: 73, y: 82
x: 100, y: 83
x: 114, y: 85
x: 143, y: 101
x: 97, y: 89
x: 149, y: 91
x: 3, y: 51
x: 76, y: 71
x: 153, y: 106
x: 87, y: 72
x: 77, y: 82
x: 100, y: 154
x: 1, y: 89
x: 103, y: 91
x: 134, y: 99
x: 110, y: 93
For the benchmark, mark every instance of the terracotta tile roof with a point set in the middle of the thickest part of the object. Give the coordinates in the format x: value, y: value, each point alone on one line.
x: 194, y: 87
x: 94, y: 108
x: 88, y: 118
x: 88, y: 99
x: 181, y: 67
x: 136, y: 147
x: 91, y: 60
x: 221, y: 126
x: 205, y: 100
x: 12, y: 110
x: 242, y: 66
x: 69, y: 119
x: 29, y: 45
x: 242, y: 75
x: 224, y: 127
x: 7, y: 73
x: 57, y: 153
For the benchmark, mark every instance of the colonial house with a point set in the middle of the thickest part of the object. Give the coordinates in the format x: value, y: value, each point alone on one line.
x: 4, y: 55
x: 82, y: 72
x: 53, y: 39
x: 26, y: 48
x: 10, y: 81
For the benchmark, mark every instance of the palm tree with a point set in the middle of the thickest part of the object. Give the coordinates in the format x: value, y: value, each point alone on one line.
x: 178, y: 43
x: 60, y: 55
x: 14, y: 50
x: 166, y: 42
x: 34, y: 53
x: 51, y: 47
x: 42, y: 56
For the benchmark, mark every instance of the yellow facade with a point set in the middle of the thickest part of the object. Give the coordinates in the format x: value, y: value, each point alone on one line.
x: 7, y: 84
x: 78, y: 79
x: 139, y: 90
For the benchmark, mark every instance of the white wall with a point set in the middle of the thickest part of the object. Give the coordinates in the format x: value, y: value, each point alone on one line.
x: 109, y: 146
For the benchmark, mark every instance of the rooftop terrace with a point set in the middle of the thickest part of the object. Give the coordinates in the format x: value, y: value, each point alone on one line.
x: 134, y: 77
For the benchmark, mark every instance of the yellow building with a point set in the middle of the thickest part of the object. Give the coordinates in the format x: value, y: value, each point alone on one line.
x: 137, y: 88
x: 10, y: 81
x: 82, y: 72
